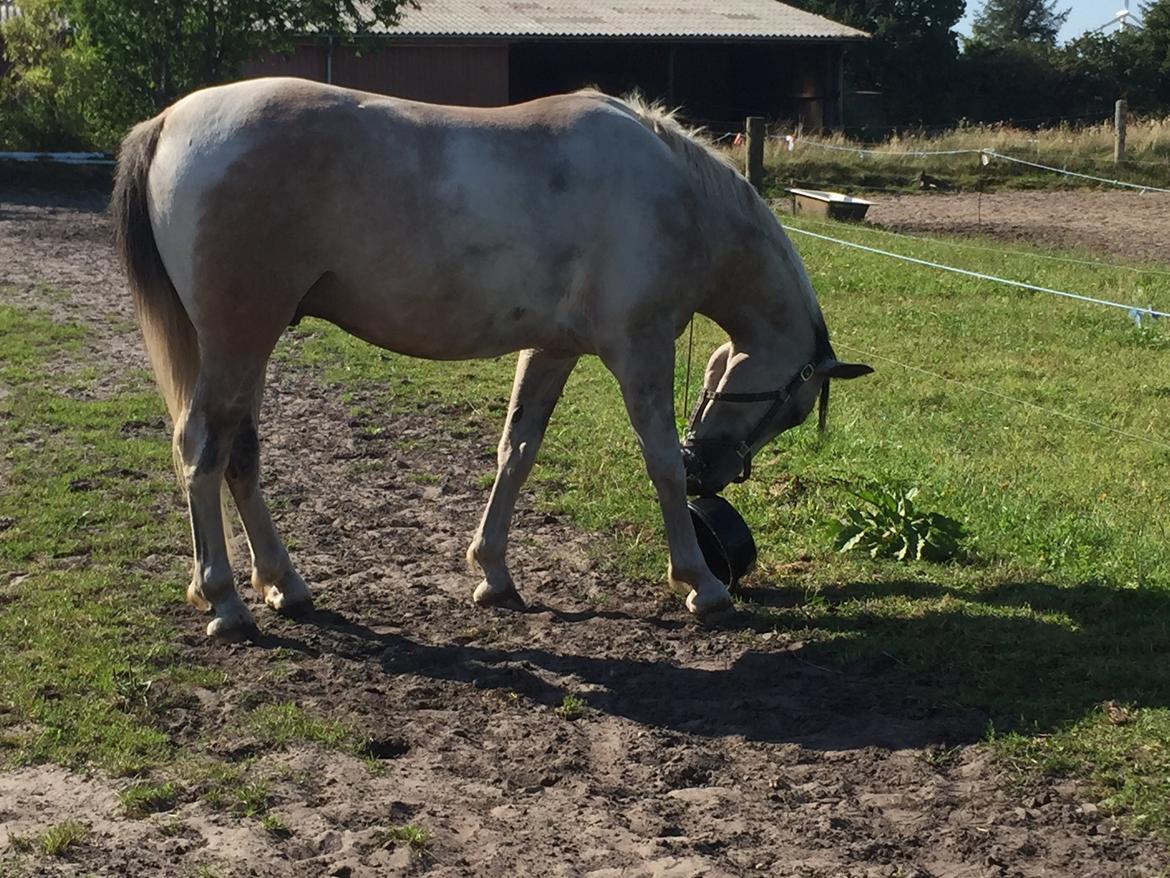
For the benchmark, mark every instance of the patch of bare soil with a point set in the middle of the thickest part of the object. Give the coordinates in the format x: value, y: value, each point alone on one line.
x: 1123, y: 225
x: 700, y: 752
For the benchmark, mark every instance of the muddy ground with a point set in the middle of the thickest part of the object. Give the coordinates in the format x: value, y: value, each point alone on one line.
x: 1120, y: 225
x: 702, y: 751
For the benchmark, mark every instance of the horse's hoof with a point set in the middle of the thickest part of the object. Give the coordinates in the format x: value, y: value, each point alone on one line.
x: 290, y: 598
x: 509, y: 599
x: 711, y: 605
x: 196, y: 599
x: 233, y: 625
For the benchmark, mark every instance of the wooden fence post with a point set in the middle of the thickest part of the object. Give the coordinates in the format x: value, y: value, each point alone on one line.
x: 1119, y: 131
x: 755, y: 151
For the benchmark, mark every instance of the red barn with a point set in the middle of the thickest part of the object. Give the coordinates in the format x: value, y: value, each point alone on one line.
x: 719, y: 61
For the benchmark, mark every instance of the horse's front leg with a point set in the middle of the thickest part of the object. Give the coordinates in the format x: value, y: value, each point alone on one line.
x: 540, y: 378
x: 646, y: 375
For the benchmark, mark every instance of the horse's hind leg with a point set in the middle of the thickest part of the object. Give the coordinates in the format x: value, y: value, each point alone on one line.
x: 540, y: 378
x: 203, y: 441
x: 273, y: 575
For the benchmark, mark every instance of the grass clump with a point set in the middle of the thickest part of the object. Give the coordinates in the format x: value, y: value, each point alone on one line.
x: 142, y: 799
x: 415, y: 837
x: 57, y: 840
x: 275, y: 826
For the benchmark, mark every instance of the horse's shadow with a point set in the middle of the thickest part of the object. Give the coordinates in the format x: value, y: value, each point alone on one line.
x: 1022, y: 655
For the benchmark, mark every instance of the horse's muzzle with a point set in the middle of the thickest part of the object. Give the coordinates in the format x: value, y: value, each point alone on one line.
x: 709, y: 473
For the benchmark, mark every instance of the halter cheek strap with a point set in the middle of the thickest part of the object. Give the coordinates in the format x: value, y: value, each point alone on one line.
x: 778, y: 399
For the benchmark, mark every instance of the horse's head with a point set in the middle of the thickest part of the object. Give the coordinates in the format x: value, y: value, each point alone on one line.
x: 747, y: 400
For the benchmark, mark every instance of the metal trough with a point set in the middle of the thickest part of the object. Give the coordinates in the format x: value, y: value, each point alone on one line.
x: 833, y: 205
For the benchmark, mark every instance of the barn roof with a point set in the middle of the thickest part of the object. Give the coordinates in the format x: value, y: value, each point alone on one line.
x: 617, y: 19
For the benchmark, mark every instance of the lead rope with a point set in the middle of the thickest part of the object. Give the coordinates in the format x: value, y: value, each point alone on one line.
x: 690, y: 350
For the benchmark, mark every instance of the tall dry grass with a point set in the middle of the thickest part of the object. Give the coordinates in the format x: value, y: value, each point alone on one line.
x: 900, y: 161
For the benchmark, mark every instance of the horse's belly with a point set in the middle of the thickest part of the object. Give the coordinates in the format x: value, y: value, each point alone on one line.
x: 438, y: 322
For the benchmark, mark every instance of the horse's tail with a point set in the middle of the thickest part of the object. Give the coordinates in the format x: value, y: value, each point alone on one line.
x: 170, y: 338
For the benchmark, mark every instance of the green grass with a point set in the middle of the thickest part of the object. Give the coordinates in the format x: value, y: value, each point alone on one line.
x: 286, y: 723
x: 88, y: 663
x: 1063, y: 599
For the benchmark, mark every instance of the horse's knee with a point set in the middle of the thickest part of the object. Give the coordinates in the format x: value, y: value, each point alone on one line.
x: 663, y: 467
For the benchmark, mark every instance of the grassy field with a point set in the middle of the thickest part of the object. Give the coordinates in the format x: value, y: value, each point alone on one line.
x: 1056, y: 623
x: 1061, y: 609
x: 899, y: 162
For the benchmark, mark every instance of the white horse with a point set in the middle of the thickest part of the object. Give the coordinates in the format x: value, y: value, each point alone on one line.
x: 576, y: 224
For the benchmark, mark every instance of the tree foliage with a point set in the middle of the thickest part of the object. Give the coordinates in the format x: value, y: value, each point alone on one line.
x: 43, y: 94
x: 1004, y: 22
x: 912, y: 54
x: 156, y: 50
x: 81, y: 71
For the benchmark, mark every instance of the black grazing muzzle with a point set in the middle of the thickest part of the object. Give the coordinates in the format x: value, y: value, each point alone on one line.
x: 697, y: 453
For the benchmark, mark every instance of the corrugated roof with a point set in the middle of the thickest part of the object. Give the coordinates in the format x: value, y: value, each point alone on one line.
x: 652, y: 19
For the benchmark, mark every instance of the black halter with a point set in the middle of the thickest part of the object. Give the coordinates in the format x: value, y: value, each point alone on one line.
x: 779, y: 399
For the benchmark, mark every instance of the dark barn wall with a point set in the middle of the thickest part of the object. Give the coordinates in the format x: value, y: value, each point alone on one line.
x: 716, y: 84
x: 474, y: 76
x: 306, y: 61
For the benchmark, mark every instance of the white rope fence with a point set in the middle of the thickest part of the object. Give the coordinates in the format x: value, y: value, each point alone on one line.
x: 999, y: 251
x: 990, y: 153
x: 1134, y: 311
x: 917, y: 153
x: 986, y: 155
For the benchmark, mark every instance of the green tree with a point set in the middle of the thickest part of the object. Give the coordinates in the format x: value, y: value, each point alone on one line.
x: 43, y: 92
x: 152, y: 51
x: 1003, y: 22
x: 911, y: 57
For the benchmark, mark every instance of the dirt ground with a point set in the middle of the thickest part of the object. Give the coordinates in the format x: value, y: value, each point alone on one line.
x: 1118, y: 224
x: 702, y: 751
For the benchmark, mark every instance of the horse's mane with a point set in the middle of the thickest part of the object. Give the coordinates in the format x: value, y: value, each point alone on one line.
x: 714, y: 170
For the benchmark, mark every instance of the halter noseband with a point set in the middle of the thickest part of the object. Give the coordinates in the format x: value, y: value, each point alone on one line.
x: 779, y: 399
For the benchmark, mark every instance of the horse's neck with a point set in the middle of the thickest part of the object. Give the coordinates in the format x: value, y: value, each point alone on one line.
x: 761, y: 288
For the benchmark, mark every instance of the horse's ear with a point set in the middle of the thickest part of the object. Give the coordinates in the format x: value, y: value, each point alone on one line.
x: 832, y: 369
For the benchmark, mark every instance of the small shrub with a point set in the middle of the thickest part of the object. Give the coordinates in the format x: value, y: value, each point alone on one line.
x: 571, y: 707
x: 886, y: 525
